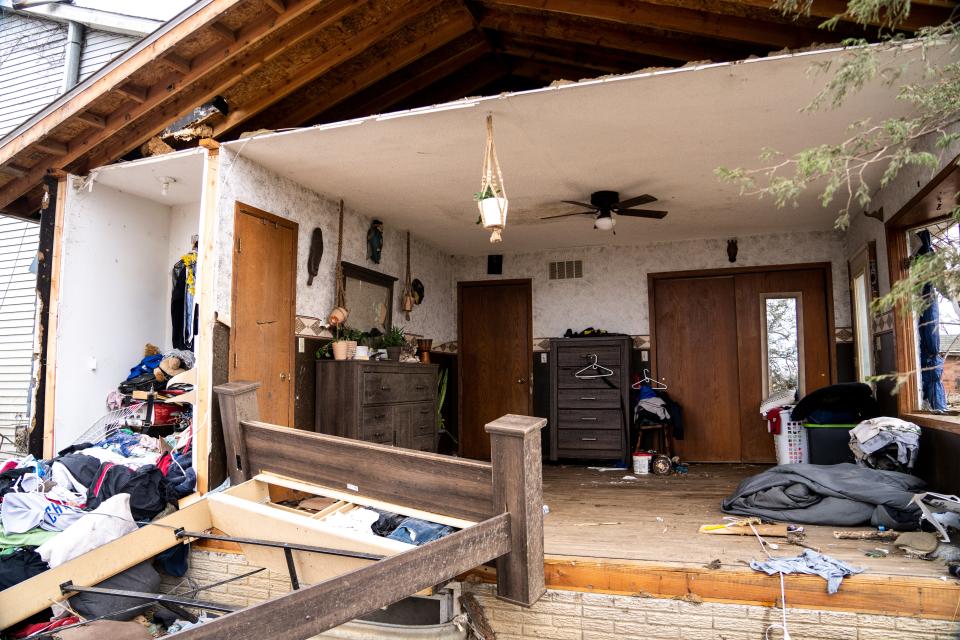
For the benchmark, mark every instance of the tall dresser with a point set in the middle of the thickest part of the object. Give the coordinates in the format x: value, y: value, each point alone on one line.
x: 590, y: 416
x: 385, y: 402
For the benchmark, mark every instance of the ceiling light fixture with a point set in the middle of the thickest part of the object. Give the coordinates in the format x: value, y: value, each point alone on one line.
x: 165, y: 183
x: 605, y: 223
x: 492, y: 197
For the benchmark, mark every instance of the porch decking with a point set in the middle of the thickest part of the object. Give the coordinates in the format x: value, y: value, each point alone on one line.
x: 655, y: 548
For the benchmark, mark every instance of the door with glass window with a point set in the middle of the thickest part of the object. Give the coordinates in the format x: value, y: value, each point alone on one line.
x: 725, y: 340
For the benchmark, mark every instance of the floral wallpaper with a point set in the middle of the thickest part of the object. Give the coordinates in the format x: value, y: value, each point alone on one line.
x: 248, y: 182
x: 612, y: 294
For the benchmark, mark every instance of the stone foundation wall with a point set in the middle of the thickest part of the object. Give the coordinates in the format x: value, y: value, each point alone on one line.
x: 573, y: 615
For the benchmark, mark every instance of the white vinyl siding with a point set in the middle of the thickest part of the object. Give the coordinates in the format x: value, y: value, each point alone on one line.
x: 32, y: 59
x: 31, y: 66
x: 18, y: 248
x: 99, y: 48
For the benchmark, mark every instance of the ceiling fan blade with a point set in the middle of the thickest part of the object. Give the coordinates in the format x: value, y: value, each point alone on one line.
x: 567, y: 215
x: 643, y: 213
x: 632, y: 202
x: 580, y: 204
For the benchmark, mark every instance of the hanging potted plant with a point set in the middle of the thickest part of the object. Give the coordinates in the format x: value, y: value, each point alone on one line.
x: 492, y: 197
x: 393, y: 341
x: 493, y: 207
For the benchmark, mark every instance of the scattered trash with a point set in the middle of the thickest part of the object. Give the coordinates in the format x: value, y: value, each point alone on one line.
x: 877, y: 553
x: 629, y: 477
x: 865, y: 535
x: 659, y: 519
x: 917, y: 543
x: 595, y: 524
x: 714, y: 564
x: 605, y: 468
x: 749, y: 527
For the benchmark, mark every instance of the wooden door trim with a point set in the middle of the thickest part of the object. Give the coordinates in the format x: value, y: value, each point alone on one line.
x: 238, y: 209
x: 825, y: 267
x: 527, y: 283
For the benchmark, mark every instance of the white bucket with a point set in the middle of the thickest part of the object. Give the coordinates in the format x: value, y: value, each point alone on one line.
x: 641, y: 463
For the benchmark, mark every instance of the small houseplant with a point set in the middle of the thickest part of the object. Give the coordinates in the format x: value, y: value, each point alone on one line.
x: 393, y: 341
x: 339, y: 345
x: 493, y: 206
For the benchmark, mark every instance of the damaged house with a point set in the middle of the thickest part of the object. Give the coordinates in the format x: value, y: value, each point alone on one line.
x: 370, y: 414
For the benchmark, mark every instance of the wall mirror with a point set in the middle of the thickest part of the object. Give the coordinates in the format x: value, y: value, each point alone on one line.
x: 369, y: 298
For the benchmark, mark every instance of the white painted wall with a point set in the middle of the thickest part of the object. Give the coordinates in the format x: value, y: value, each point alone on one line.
x: 248, y: 182
x: 114, y: 296
x: 612, y: 294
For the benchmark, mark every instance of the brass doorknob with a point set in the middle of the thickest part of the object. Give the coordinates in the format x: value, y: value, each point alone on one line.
x: 283, y: 376
x: 521, y: 380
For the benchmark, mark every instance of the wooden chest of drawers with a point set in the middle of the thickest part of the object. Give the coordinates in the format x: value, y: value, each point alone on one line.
x: 384, y: 402
x: 589, y: 416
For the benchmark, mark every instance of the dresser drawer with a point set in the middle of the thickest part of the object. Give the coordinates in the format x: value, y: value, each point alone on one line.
x: 588, y: 398
x: 422, y: 443
x: 376, y: 421
x: 380, y: 436
x: 423, y: 419
x: 589, y: 419
x: 420, y: 386
x: 381, y: 387
x: 567, y: 380
x: 590, y: 440
x: 607, y: 355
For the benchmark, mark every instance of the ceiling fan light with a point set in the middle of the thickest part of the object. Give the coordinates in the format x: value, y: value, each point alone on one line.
x: 605, y: 223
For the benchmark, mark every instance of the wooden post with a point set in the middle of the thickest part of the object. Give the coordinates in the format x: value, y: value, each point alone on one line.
x: 518, y: 490
x: 238, y: 402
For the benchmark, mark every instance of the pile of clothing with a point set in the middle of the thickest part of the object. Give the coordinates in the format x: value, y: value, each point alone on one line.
x: 654, y: 406
x: 90, y: 494
x: 885, y: 443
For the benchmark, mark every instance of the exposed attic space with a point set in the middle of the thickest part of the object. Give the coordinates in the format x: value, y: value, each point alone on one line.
x: 286, y: 64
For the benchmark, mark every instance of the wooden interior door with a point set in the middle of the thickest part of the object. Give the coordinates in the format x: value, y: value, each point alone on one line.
x: 495, y: 356
x: 708, y: 340
x: 696, y: 353
x: 263, y: 308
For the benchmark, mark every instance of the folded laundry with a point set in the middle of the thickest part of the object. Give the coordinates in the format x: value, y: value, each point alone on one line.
x: 32, y: 538
x: 810, y: 562
x: 106, y: 523
x: 885, y: 443
x: 419, y: 532
x: 21, y: 512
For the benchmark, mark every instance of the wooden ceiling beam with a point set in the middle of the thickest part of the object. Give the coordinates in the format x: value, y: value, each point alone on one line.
x: 564, y: 29
x: 548, y: 72
x: 13, y: 170
x: 276, y: 5
x: 466, y: 83
x: 175, y: 62
x: 92, y: 119
x: 136, y: 93
x: 538, y: 55
x: 460, y: 24
x: 676, y: 18
x: 296, y: 78
x: 210, y: 74
x: 223, y: 32
x: 607, y: 60
x: 389, y: 91
x: 52, y: 147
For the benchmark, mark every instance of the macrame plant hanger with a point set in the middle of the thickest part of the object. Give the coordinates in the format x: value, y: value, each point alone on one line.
x: 407, y: 288
x: 339, y: 314
x: 492, y: 180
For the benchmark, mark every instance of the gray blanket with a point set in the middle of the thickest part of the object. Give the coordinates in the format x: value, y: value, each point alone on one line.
x: 838, y: 494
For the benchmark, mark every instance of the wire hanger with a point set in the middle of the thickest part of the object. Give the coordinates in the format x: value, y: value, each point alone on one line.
x: 652, y: 382
x: 593, y: 366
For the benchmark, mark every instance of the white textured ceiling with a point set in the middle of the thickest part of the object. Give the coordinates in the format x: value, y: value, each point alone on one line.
x: 144, y: 178
x: 663, y: 133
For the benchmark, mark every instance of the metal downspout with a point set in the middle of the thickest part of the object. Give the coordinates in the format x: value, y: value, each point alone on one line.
x: 71, y: 58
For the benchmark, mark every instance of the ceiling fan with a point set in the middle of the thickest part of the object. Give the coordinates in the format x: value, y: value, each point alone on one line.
x: 604, y: 204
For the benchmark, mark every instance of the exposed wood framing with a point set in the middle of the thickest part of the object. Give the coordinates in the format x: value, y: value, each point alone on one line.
x: 462, y: 23
x: 92, y: 119
x: 286, y: 83
x: 223, y: 32
x: 680, y: 19
x: 277, y: 6
x: 135, y: 93
x: 52, y: 147
x: 206, y: 257
x: 175, y: 62
x: 49, y: 373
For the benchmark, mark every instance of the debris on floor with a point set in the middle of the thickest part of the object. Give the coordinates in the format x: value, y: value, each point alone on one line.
x: 809, y: 562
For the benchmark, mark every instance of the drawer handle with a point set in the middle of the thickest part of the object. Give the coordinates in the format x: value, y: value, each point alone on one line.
x: 380, y: 416
x: 589, y: 439
x: 585, y: 419
x: 384, y: 388
x: 420, y: 387
x: 587, y: 398
x: 425, y: 411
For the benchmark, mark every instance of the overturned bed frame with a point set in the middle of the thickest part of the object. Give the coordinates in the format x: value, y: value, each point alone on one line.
x: 498, y: 508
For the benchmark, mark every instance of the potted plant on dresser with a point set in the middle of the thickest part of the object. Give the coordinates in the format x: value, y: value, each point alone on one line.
x: 393, y: 341
x: 340, y: 345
